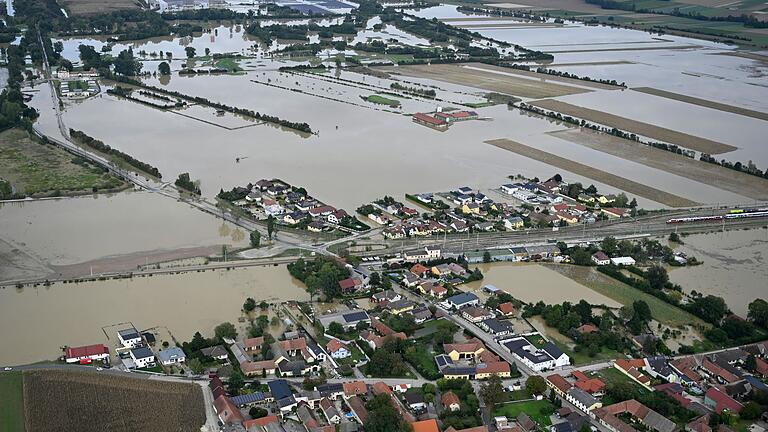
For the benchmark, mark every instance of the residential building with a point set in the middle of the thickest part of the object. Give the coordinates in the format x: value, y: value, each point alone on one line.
x: 450, y: 401
x: 476, y: 314
x: 632, y: 368
x: 227, y: 411
x: 348, y: 319
x: 720, y: 401
x: 582, y: 400
x: 129, y: 338
x: 425, y: 426
x: 650, y: 419
x: 498, y: 368
x: 497, y: 327
x: 469, y: 350
x: 171, y: 356
x: 600, y: 258
x: 142, y: 357
x: 506, y: 309
x: 337, y: 350
x: 329, y: 411
x: 216, y: 352
x: 460, y: 301
x: 548, y: 357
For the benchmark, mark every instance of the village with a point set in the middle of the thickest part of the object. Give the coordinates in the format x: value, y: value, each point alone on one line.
x: 443, y: 357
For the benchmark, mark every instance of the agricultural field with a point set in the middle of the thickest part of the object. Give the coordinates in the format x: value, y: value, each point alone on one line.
x: 625, y: 294
x: 637, y: 127
x: 506, y: 82
x: 546, y: 77
x: 618, y: 182
x: 36, y: 169
x: 703, y: 102
x: 381, y: 100
x: 11, y: 402
x: 86, y: 401
x: 707, y: 173
x: 91, y: 7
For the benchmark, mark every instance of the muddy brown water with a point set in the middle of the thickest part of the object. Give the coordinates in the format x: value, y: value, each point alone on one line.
x: 35, y: 322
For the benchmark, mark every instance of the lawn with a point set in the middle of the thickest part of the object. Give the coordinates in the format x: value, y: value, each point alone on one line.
x: 581, y: 358
x: 77, y: 85
x: 40, y: 169
x: 611, y: 376
x: 538, y: 410
x: 229, y: 64
x: 625, y: 294
x: 381, y: 100
x: 11, y: 402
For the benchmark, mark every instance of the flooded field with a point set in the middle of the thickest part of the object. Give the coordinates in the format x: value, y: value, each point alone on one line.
x: 735, y: 266
x: 74, y: 314
x: 532, y: 282
x: 72, y: 235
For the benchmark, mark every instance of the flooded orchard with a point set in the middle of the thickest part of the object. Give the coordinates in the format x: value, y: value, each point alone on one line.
x: 74, y: 314
x: 531, y: 283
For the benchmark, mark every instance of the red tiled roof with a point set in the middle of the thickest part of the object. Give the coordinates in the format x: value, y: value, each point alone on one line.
x: 506, y: 308
x: 426, y: 118
x: 587, y: 328
x: 354, y: 388
x: 255, y: 342
x: 559, y: 382
x: 260, y: 421
x: 334, y: 345
x: 425, y: 426
x: 381, y: 388
x: 449, y: 398
x: 493, y: 368
x: 722, y: 401
x: 87, y: 350
x: 418, y: 269
x: 227, y: 411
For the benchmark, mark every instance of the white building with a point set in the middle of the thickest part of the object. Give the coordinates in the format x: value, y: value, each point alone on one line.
x: 623, y: 261
x: 142, y: 357
x: 129, y: 338
x: 171, y: 356
x: 548, y: 357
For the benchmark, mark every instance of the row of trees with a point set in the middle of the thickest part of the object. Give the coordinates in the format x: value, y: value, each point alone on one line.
x: 98, y: 145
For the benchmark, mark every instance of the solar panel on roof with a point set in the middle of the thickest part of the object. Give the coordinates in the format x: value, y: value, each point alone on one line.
x: 355, y: 316
x: 248, y: 398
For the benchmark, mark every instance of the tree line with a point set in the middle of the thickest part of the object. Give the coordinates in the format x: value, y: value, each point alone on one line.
x: 98, y: 145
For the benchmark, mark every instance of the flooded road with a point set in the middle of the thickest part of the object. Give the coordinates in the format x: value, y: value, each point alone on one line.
x: 735, y: 267
x: 531, y: 283
x: 35, y: 322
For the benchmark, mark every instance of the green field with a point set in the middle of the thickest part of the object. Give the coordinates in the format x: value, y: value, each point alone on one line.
x: 625, y: 294
x: 77, y: 85
x: 229, y: 64
x: 381, y: 100
x: 40, y: 169
x: 11, y: 402
x: 582, y: 358
x: 538, y: 410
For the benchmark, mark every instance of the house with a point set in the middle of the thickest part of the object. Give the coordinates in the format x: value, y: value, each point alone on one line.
x: 600, y: 258
x: 684, y: 368
x: 415, y: 401
x: 506, y: 309
x: 88, y: 353
x: 469, y: 350
x: 348, y: 319
x: 582, y: 400
x: 497, y: 327
x: 441, y: 270
x: 329, y: 411
x: 282, y: 394
x: 425, y: 426
x: 514, y: 223
x: 429, y: 253
x: 476, y: 314
x: 558, y: 384
x: 357, y: 407
x: 419, y: 270
x: 587, y: 329
x: 350, y: 284
x: 525, y: 422
x: 306, y: 417
x: 254, y: 424
x: 429, y: 121
x: 657, y: 367
x: 294, y: 217
x: 387, y: 295
x: 216, y: 352
x: 450, y: 401
x: 593, y: 386
x: 337, y: 216
x: 548, y: 357
x: 613, y: 212
x: 354, y: 388
x: 432, y: 289
x: 410, y: 280
x: 400, y: 306
x: 650, y: 419
x: 498, y: 368
x: 171, y: 356
x: 632, y: 368
x: 337, y: 350
x: 421, y: 314
x: 253, y: 344
x: 227, y: 411
x: 142, y: 357
x: 720, y: 401
x: 129, y: 338
x: 623, y: 261
x: 443, y: 361
x: 460, y: 301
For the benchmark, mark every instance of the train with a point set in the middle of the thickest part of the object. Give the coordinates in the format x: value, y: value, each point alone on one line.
x: 733, y: 214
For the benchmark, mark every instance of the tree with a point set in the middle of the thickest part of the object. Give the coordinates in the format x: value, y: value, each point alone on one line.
x: 758, y: 313
x: 642, y: 310
x: 249, y: 305
x: 751, y: 411
x: 164, y: 68
x: 190, y: 51
x: 486, y: 257
x: 711, y: 308
x: 236, y: 382
x: 256, y: 412
x: 492, y: 391
x: 581, y: 257
x: 535, y: 384
x: 750, y: 364
x: 608, y: 245
x: 270, y: 226
x: 375, y: 279
x: 335, y: 328
x: 382, y: 416
x: 657, y: 277
x: 255, y: 238
x: 196, y: 365
x: 126, y: 64
x: 225, y: 330
x: 207, y: 52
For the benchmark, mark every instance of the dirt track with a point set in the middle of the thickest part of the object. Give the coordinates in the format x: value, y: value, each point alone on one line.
x: 637, y: 127
x: 703, y: 103
x: 630, y: 186
x: 546, y: 77
x: 714, y: 175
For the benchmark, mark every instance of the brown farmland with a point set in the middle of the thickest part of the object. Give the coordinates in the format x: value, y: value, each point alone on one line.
x: 541, y: 76
x: 703, y: 103
x: 711, y: 174
x: 490, y: 81
x: 91, y: 7
x: 89, y: 401
x: 637, y: 127
x: 622, y: 183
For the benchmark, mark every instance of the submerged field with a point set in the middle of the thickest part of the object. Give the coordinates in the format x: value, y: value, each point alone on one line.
x: 84, y: 401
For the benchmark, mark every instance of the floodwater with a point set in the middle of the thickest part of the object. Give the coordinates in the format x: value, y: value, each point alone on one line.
x: 735, y: 266
x: 35, y: 322
x: 384, y: 152
x: 532, y: 283
x: 69, y: 231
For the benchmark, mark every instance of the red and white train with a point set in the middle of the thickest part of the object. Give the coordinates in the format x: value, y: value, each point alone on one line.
x: 734, y: 214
